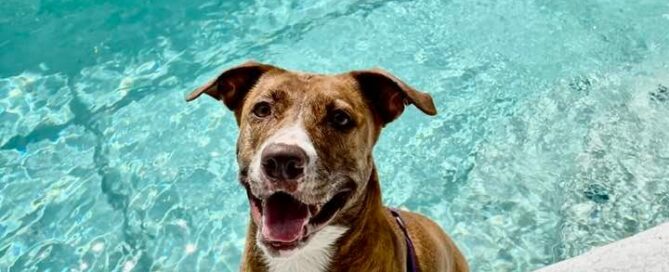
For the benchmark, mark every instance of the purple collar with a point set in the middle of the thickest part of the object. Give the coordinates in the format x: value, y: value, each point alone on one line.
x: 412, y: 265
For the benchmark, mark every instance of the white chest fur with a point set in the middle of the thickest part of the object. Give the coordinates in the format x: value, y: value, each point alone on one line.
x: 315, y: 256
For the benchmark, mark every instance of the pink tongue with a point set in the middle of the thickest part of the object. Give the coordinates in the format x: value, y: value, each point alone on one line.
x: 283, y: 218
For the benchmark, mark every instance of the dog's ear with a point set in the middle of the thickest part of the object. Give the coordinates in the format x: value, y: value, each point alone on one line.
x: 388, y: 95
x: 232, y: 85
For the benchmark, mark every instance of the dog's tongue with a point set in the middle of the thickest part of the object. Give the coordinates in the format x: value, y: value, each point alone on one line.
x: 283, y: 218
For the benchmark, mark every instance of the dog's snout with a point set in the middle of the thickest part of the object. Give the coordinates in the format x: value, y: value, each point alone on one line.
x: 284, y: 162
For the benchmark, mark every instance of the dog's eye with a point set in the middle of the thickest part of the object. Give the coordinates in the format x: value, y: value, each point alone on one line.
x: 262, y: 109
x: 340, y: 119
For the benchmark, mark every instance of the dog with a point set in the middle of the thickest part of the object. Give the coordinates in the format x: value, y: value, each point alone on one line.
x: 305, y: 159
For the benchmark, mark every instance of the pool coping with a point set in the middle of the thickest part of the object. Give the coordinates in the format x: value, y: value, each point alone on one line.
x: 645, y: 251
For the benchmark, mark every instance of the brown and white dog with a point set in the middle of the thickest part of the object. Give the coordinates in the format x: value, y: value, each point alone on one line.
x: 305, y: 158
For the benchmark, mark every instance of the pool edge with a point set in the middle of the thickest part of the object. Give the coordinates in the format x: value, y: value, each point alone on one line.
x: 644, y: 251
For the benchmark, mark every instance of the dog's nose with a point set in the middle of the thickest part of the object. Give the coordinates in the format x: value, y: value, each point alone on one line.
x: 283, y: 162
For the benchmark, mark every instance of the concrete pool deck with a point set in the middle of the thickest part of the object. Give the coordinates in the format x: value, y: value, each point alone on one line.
x: 645, y: 251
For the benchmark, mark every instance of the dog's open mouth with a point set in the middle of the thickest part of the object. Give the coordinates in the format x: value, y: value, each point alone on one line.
x: 285, y: 221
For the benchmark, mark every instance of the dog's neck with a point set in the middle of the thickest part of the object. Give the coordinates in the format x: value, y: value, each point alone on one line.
x: 373, y: 236
x: 366, y: 234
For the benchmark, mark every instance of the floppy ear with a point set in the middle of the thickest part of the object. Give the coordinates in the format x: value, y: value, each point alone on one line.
x: 388, y: 95
x: 232, y: 85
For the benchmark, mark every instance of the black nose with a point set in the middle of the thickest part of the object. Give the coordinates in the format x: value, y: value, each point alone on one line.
x: 283, y: 162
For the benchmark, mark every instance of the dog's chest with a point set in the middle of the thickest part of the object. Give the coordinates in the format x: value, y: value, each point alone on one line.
x: 315, y: 256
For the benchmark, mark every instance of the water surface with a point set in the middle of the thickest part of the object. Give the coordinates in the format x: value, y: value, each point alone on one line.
x: 552, y: 135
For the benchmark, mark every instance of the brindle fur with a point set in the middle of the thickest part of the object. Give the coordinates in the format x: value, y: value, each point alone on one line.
x: 373, y: 98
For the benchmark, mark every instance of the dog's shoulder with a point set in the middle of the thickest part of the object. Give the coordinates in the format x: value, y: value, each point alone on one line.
x: 434, y: 249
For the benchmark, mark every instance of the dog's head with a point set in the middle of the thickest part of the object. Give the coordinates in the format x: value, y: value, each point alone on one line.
x: 305, y: 143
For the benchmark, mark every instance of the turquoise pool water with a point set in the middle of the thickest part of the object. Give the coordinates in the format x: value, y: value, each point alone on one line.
x: 552, y: 136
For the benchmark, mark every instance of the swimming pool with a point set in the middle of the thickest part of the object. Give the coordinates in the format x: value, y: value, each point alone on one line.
x: 552, y: 135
